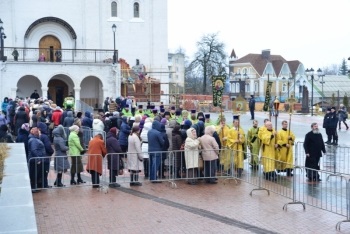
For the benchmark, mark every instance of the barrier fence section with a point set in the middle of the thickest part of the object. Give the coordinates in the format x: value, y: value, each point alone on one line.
x: 61, y: 171
x: 336, y: 159
x: 88, y: 134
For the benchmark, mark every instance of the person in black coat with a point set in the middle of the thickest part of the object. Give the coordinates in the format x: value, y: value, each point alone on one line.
x: 113, y: 159
x: 326, y: 125
x: 23, y: 134
x: 165, y: 148
x: 333, y: 126
x: 21, y: 117
x: 252, y: 106
x: 48, y: 153
x: 313, y: 146
x: 5, y: 137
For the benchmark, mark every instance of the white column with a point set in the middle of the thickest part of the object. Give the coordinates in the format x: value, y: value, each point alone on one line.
x: 44, y: 92
x: 262, y: 89
x: 252, y: 87
x: 77, y: 99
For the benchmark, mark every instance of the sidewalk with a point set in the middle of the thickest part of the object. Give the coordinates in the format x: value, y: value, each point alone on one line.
x: 157, y: 208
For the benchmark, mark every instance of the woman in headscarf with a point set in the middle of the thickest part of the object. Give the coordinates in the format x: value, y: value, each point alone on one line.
x: 192, y: 146
x: 113, y: 157
x: 75, y: 151
x: 61, y: 160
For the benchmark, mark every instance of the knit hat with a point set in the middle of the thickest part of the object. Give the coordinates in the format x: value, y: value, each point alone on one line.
x: 74, y: 128
x: 25, y: 126
x: 113, y: 130
x: 188, y: 122
x: 163, y: 121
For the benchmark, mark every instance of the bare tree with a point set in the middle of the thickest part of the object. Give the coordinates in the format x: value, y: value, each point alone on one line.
x: 210, y: 59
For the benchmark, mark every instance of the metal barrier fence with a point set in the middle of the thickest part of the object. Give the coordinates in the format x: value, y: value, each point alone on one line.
x: 52, y: 171
x: 88, y: 134
x: 336, y: 159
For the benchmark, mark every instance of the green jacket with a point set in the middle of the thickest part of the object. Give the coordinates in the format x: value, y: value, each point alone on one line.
x: 74, y: 144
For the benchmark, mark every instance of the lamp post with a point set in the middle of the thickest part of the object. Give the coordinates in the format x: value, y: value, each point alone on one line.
x: 242, y: 81
x: 2, y: 37
x: 114, y: 28
x: 321, y: 74
x: 311, y: 74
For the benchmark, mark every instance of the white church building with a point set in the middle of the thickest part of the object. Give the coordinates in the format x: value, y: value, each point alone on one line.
x: 67, y: 46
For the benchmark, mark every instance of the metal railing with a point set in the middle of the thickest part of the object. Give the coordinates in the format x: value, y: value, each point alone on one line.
x: 83, y: 107
x: 61, y: 55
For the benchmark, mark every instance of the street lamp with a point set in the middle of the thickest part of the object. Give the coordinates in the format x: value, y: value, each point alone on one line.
x: 289, y: 81
x: 321, y: 75
x: 310, y: 73
x: 2, y: 37
x: 242, y: 81
x: 114, y: 28
x: 300, y: 85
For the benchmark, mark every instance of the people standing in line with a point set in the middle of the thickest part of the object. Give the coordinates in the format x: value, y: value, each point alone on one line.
x: 252, y: 106
x: 2, y: 119
x: 326, y: 125
x: 34, y: 95
x: 342, y: 115
x: 285, y: 141
x: 177, y: 144
x: 96, y: 153
x: 75, y: 151
x: 222, y: 130
x: 4, y: 105
x: 333, y: 124
x: 135, y: 156
x: 144, y: 146
x: 23, y: 137
x: 49, y: 152
x: 124, y: 133
x: 192, y: 147
x: 20, y: 118
x: 56, y: 116
x: 154, y: 149
x: 5, y: 137
x: 36, y: 151
x: 254, y: 144
x: 87, y: 120
x: 268, y: 139
x: 314, y: 147
x: 113, y: 156
x: 61, y: 163
x: 210, y: 154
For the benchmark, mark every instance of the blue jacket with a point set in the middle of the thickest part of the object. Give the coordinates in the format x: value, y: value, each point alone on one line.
x: 155, y: 139
x: 124, y: 132
x: 23, y: 137
x: 45, y: 140
x: 36, y: 148
x: 333, y: 120
x: 87, y: 120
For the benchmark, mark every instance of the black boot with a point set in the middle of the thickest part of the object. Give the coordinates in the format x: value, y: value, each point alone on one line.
x: 59, y: 180
x: 80, y: 181
x: 136, y: 178
x: 132, y: 179
x: 72, y: 181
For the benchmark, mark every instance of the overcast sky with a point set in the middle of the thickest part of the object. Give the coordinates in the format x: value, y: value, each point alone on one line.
x: 315, y: 32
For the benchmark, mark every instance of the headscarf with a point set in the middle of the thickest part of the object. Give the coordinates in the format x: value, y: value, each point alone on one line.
x: 25, y: 126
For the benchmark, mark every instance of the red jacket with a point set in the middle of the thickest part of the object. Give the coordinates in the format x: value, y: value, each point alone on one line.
x: 56, y: 117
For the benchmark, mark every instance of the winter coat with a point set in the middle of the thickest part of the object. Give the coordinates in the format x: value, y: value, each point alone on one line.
x: 61, y: 159
x: 135, y: 155
x: 34, y: 120
x: 144, y: 145
x: 36, y: 148
x: 326, y: 120
x: 5, y: 137
x: 98, y: 127
x: 65, y: 114
x: 176, y: 145
x: 210, y: 148
x: 69, y: 120
x: 166, y: 144
x: 342, y: 114
x: 113, y: 150
x: 4, y: 105
x: 56, y: 117
x: 46, y: 140
x: 87, y: 120
x: 97, y: 151
x: 2, y: 120
x: 115, y: 122
x: 23, y: 138
x: 20, y: 118
x: 155, y: 139
x: 124, y: 132
x: 333, y: 120
x: 191, y: 150
x: 75, y: 147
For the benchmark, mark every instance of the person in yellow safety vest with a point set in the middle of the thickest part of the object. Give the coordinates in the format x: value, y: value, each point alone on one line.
x: 172, y: 112
x: 126, y: 112
x: 179, y: 117
x: 254, y: 144
x: 268, y: 139
x: 140, y: 110
x: 222, y: 130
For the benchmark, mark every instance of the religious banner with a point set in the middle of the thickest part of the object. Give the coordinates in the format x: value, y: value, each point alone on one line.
x: 267, y: 96
x: 218, y: 84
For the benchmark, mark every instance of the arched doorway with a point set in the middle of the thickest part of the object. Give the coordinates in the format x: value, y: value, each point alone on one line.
x: 59, y: 87
x: 91, y: 91
x: 26, y: 85
x: 48, y: 45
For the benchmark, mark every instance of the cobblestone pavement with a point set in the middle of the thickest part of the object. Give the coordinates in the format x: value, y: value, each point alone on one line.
x: 157, y: 208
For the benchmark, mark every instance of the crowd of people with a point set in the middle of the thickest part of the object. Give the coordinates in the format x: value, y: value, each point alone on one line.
x: 141, y: 140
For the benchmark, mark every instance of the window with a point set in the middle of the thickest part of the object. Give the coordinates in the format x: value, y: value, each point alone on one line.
x: 232, y: 87
x: 114, y: 9
x: 244, y: 71
x: 284, y: 88
x: 256, y: 88
x: 237, y: 88
x: 136, y: 10
x: 247, y: 87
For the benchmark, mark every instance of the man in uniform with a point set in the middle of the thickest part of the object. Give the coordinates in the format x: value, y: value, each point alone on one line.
x: 235, y: 142
x: 172, y: 112
x: 126, y: 112
x: 254, y: 144
x: 268, y: 139
x: 285, y: 142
